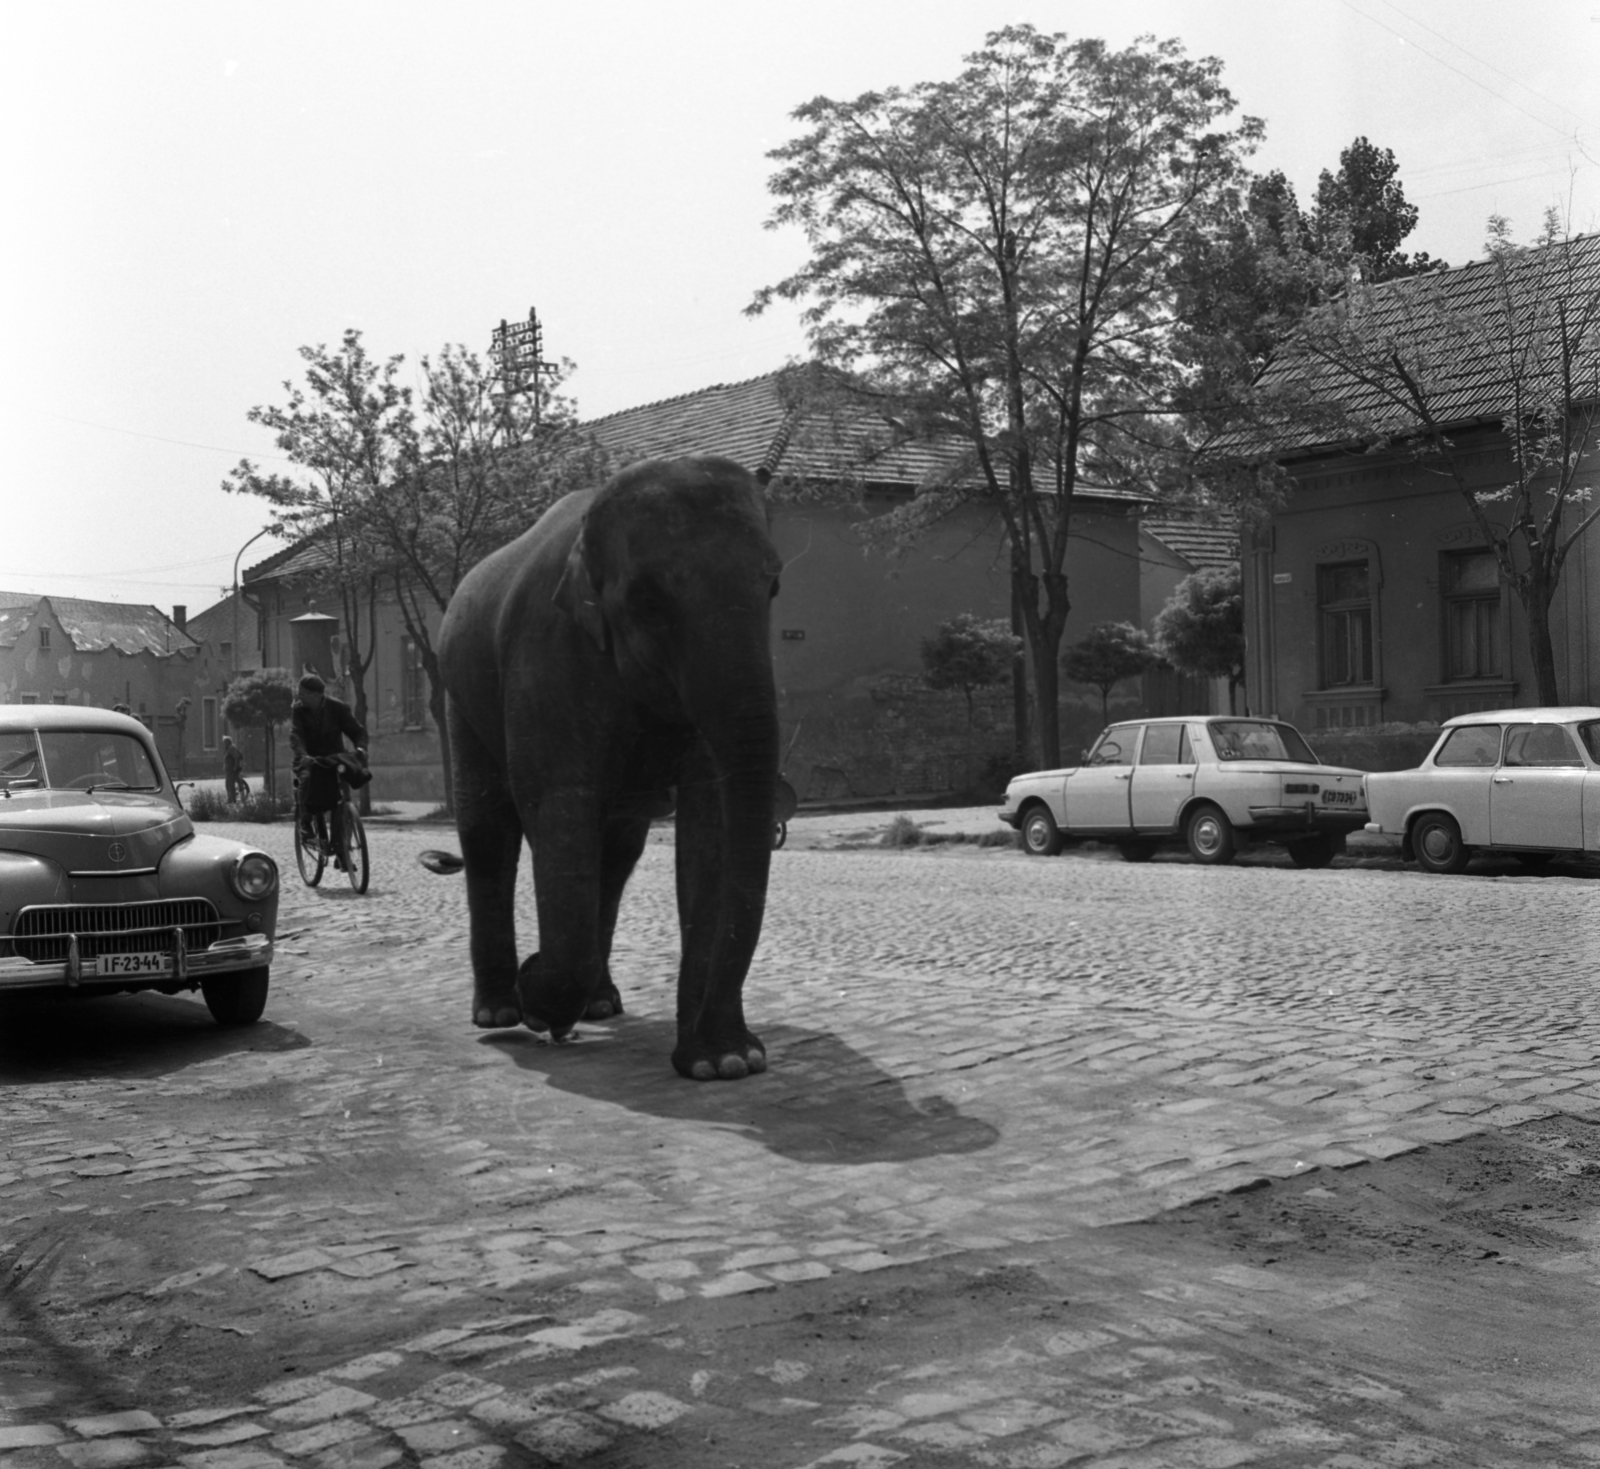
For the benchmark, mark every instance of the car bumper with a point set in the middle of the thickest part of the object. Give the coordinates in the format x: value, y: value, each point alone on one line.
x: 1305, y: 818
x: 226, y: 956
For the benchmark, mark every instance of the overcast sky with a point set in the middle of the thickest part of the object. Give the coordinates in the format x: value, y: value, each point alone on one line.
x: 194, y: 190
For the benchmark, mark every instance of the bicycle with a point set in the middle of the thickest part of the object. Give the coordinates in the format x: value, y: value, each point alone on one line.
x: 312, y: 857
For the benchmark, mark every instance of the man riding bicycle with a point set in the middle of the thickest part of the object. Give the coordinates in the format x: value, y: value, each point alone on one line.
x: 318, y: 725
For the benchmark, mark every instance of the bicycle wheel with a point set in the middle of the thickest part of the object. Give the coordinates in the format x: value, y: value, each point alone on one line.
x: 309, y: 858
x: 355, y: 849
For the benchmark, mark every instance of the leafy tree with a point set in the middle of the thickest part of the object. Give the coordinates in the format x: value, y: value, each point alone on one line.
x: 1201, y: 629
x: 348, y: 432
x: 264, y: 697
x: 1108, y: 653
x: 969, y: 653
x: 1362, y: 213
x: 1414, y: 365
x: 998, y: 254
x: 412, y: 488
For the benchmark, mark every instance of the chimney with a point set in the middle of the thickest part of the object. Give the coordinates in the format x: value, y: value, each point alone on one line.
x: 180, y: 616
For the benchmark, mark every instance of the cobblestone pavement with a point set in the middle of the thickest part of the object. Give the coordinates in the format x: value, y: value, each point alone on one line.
x: 362, y: 1233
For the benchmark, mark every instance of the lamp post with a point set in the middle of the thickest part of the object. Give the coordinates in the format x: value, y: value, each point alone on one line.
x: 242, y: 549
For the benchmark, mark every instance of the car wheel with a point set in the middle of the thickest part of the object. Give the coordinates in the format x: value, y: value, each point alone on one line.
x: 1136, y: 851
x: 1039, y: 835
x: 1317, y: 851
x: 1436, y: 840
x: 236, y: 999
x: 1210, y: 837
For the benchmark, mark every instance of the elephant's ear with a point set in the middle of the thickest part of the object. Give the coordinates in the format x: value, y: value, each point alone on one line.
x: 577, y: 597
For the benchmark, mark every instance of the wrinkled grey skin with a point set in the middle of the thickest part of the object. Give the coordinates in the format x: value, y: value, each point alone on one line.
x: 618, y: 651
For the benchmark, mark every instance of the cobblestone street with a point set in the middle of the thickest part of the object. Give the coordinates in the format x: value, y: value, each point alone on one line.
x: 361, y: 1232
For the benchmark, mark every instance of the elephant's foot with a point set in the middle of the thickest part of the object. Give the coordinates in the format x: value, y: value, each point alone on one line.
x: 699, y: 1060
x: 495, y: 1007
x: 607, y: 1004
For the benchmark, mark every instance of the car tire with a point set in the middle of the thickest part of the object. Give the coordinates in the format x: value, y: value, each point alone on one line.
x: 1136, y: 851
x: 1436, y: 840
x: 1039, y: 835
x: 236, y: 999
x: 1210, y: 836
x: 1317, y: 851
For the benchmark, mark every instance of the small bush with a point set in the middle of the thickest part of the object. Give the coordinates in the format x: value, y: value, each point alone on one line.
x: 1001, y: 836
x: 904, y: 832
x: 206, y: 805
x: 261, y: 807
x: 440, y: 813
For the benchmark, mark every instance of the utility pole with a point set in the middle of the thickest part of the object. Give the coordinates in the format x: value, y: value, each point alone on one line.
x: 518, y: 349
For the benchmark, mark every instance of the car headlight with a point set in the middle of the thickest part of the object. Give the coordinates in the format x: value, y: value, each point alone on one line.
x: 255, y: 875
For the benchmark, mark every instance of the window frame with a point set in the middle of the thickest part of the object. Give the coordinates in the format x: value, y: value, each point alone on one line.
x: 413, y: 696
x: 1452, y: 602
x: 209, y: 722
x: 1339, y: 611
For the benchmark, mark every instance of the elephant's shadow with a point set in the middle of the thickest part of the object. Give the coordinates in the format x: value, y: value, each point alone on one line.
x: 820, y: 1101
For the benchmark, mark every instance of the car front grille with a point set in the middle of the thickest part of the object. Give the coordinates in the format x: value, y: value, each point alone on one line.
x: 42, y: 934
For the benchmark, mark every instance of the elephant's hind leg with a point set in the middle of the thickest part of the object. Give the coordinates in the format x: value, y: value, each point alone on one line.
x: 625, y: 837
x: 491, y: 846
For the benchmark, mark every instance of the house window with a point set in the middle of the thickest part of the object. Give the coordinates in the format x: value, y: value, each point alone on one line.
x: 1470, y: 584
x: 208, y: 724
x: 412, y: 699
x: 30, y: 698
x: 58, y: 698
x: 225, y: 652
x: 1344, y: 602
x: 44, y: 637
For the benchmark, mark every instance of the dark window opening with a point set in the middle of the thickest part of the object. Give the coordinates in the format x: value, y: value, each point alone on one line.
x: 1344, y: 602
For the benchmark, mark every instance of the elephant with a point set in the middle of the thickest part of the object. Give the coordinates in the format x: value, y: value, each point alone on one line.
x: 613, y: 658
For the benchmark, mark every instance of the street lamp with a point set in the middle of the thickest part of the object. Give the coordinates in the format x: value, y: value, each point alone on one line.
x: 242, y: 549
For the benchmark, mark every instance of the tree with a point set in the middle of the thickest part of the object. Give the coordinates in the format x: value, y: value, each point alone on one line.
x: 348, y: 432
x: 411, y: 489
x: 482, y: 468
x: 969, y: 653
x: 1108, y: 653
x: 1201, y: 629
x: 1362, y: 214
x: 1418, y: 365
x: 180, y: 717
x: 998, y: 255
x: 264, y: 697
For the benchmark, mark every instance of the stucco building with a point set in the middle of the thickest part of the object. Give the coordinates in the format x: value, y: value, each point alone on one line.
x: 1373, y: 601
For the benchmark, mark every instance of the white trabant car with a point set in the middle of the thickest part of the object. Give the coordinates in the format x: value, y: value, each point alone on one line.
x: 1522, y: 781
x: 1213, y: 782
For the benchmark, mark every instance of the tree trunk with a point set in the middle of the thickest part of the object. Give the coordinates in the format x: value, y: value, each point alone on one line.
x: 1019, y: 685
x: 430, y: 663
x: 1536, y: 603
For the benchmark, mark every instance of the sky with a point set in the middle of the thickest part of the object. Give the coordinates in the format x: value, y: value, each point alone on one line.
x: 194, y: 191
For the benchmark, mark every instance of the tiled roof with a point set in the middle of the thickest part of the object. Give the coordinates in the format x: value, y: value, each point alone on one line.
x: 1446, y: 325
x: 96, y: 626
x: 759, y: 424
x: 1199, y: 544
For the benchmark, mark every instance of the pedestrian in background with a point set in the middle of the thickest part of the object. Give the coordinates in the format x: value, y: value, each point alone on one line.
x: 232, y: 770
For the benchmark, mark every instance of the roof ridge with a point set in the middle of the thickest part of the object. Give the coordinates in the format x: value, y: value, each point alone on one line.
x: 680, y: 397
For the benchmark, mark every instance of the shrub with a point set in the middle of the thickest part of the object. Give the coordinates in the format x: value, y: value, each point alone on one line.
x: 204, y: 804
x: 261, y: 807
x: 904, y: 832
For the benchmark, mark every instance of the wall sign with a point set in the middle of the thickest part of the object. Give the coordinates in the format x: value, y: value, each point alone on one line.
x: 1282, y: 578
x: 794, y: 635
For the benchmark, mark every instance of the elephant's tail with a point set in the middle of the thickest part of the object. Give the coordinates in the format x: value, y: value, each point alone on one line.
x: 446, y: 864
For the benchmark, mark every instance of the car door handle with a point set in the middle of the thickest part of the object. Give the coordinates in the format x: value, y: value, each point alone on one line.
x: 1128, y: 776
x: 1503, y: 780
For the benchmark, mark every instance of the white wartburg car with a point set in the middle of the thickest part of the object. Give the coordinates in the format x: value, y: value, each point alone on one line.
x: 1523, y: 781
x: 1213, y: 782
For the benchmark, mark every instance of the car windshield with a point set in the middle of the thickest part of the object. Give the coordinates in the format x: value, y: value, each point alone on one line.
x: 1256, y: 739
x: 79, y: 760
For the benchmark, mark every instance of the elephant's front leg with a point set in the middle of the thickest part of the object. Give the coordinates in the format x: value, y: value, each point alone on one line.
x: 722, y: 882
x: 567, y: 866
x: 625, y: 837
x: 491, y: 845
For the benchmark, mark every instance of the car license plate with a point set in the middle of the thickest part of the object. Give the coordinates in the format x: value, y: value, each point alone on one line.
x: 1340, y: 798
x: 133, y: 964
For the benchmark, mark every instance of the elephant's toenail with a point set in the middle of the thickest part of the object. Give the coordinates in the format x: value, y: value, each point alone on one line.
x: 732, y: 1068
x: 758, y: 1062
x: 703, y: 1071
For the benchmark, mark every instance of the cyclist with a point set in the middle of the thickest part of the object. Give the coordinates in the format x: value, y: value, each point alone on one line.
x: 318, y: 725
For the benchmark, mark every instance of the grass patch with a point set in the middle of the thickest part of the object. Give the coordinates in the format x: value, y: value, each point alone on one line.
x: 903, y: 832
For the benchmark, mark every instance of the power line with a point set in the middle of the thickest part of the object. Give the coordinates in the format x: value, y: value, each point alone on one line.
x: 1466, y: 76
x: 134, y: 433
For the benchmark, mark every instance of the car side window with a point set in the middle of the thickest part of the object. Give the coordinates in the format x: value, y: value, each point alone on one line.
x: 1115, y: 746
x: 1590, y: 735
x: 1471, y: 744
x: 1544, y: 746
x: 1166, y: 744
